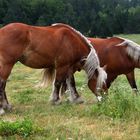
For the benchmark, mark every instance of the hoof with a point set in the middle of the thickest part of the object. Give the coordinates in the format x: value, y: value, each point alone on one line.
x: 55, y: 102
x: 135, y: 91
x: 78, y: 100
x: 7, y: 107
x: 2, y: 111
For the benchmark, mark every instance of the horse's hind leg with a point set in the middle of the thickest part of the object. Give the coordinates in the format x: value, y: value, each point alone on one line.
x: 4, y: 73
x: 55, y: 99
x: 64, y: 88
x: 3, y: 98
x: 59, y: 79
x: 74, y: 96
x: 131, y: 79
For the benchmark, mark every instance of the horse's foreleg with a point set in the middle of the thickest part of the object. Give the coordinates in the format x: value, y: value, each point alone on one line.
x: 64, y: 88
x: 131, y: 79
x: 74, y: 96
x: 4, y: 102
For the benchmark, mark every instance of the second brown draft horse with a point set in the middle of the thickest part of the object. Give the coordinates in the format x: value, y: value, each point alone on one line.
x: 120, y: 55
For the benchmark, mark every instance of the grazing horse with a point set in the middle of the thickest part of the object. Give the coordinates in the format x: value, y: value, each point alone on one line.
x: 121, y: 56
x: 59, y: 47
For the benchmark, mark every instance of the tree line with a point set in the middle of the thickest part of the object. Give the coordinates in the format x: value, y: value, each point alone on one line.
x: 91, y: 17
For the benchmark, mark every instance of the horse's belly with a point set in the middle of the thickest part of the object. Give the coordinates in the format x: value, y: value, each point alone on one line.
x: 35, y: 61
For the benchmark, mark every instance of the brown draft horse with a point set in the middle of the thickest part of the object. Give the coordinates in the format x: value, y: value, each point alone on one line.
x: 121, y: 56
x: 59, y: 47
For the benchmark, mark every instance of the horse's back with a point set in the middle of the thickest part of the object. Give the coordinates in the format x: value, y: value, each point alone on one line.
x: 107, y: 42
x: 108, y: 45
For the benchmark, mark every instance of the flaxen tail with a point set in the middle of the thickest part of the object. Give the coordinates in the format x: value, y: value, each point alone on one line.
x: 47, y: 78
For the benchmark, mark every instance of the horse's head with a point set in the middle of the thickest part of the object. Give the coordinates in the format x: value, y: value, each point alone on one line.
x: 96, y: 75
x: 97, y: 83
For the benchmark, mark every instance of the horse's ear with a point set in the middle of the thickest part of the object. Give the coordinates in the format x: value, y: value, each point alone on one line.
x: 105, y: 67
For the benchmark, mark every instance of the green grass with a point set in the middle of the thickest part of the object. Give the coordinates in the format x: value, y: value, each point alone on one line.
x: 34, y: 118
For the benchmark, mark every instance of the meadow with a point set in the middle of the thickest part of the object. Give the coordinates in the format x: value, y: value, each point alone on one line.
x: 34, y: 118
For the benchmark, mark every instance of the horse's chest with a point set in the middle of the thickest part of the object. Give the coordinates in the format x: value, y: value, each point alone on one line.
x: 119, y: 68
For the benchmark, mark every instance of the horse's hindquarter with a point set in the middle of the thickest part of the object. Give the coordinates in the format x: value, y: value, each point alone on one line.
x: 13, y: 39
x: 24, y: 43
x: 41, y: 51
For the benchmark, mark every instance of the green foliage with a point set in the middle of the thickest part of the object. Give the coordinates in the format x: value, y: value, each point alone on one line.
x: 119, y: 106
x: 23, y: 128
x: 18, y: 10
x: 93, y: 18
x: 133, y: 18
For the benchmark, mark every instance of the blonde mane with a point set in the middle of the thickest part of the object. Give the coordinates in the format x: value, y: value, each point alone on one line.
x: 133, y: 49
x: 79, y: 33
